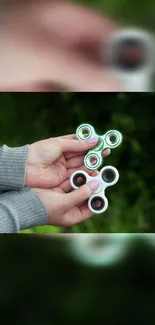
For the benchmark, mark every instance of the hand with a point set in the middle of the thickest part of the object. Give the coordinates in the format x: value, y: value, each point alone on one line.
x: 50, y: 165
x: 66, y: 210
x: 54, y: 44
x: 51, y: 162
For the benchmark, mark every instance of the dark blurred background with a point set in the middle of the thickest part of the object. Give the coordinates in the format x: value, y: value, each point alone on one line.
x: 41, y: 284
x: 28, y: 117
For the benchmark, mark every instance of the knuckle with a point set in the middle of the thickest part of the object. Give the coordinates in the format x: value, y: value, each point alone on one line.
x: 68, y: 223
x: 78, y: 145
x: 81, y: 145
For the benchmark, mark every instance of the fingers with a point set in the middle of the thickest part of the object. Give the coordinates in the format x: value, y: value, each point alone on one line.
x: 48, y: 61
x: 75, y: 72
x: 78, y: 160
x: 58, y: 190
x: 69, y: 155
x: 76, y: 215
x: 62, y: 18
x: 77, y: 145
x: 106, y: 153
x: 75, y: 162
x: 79, y: 196
x: 68, y: 136
x: 66, y: 185
x: 72, y: 170
x: 94, y: 173
x: 34, y: 88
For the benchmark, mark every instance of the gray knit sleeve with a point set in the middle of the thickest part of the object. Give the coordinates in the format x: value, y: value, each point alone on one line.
x: 12, y: 167
x: 21, y: 210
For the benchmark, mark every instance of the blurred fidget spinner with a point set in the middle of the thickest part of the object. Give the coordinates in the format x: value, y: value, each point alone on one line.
x: 106, y: 250
x: 98, y: 250
x: 131, y: 58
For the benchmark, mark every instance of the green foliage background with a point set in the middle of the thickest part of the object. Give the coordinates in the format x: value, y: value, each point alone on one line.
x: 28, y: 117
x: 134, y: 13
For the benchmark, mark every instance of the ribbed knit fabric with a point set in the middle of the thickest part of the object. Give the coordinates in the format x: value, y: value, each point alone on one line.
x: 20, y: 208
x: 12, y: 167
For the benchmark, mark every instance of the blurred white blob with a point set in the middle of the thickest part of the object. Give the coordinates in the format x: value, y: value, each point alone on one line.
x: 131, y: 59
x: 99, y: 250
x: 104, y: 250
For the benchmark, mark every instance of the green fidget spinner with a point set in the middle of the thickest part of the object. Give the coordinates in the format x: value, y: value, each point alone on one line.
x: 110, y: 140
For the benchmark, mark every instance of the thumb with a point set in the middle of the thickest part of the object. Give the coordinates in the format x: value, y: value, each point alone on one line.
x: 71, y: 145
x: 79, y: 196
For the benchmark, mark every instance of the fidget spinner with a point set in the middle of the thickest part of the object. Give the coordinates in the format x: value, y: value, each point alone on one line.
x: 108, y: 176
x: 110, y: 140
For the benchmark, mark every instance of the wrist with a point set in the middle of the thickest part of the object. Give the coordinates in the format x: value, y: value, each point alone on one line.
x: 27, y: 166
x: 32, y: 170
x: 43, y: 197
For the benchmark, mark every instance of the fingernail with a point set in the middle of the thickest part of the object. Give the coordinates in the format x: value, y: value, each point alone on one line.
x: 93, y: 140
x: 95, y: 185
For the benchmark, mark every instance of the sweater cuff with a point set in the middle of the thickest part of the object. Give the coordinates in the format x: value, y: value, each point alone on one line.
x: 21, y: 210
x: 12, y: 167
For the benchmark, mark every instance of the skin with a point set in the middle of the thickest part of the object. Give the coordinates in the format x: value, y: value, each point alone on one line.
x: 49, y: 166
x: 44, y: 47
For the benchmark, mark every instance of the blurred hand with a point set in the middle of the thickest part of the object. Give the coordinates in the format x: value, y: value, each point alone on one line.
x: 51, y: 162
x: 53, y: 44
